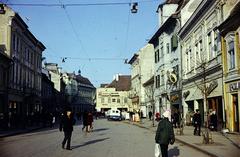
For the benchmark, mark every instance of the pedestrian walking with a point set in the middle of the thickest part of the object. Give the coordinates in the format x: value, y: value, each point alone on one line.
x: 213, y: 121
x: 176, y: 121
x: 66, y: 124
x: 89, y: 122
x: 197, y: 123
x: 164, y: 135
x: 150, y: 115
x: 85, y: 115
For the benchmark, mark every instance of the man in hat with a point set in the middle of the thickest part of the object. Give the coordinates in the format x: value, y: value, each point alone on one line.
x: 66, y: 124
x: 197, y: 123
x: 164, y: 135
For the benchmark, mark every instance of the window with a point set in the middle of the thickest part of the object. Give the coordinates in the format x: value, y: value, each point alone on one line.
x: 191, y: 58
x: 162, y: 79
x: 102, y: 100
x: 216, y: 39
x: 109, y: 99
x: 201, y: 47
x: 113, y: 100
x: 167, y: 46
x: 157, y: 80
x: 187, y: 61
x: 161, y: 52
x: 197, y: 53
x: 210, y: 48
x: 174, y: 42
x: 125, y: 100
x: 118, y: 100
x: 231, y: 55
x: 157, y: 56
x: 14, y: 42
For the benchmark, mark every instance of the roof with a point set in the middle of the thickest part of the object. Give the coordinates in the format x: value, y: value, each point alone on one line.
x: 195, y: 17
x: 123, y: 83
x: 83, y: 80
x: 169, y: 2
x: 103, y: 85
x: 231, y: 24
x: 170, y: 20
x: 149, y: 82
x: 134, y: 57
x: 161, y: 29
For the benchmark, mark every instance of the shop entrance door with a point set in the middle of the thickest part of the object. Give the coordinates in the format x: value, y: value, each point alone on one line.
x: 236, y: 112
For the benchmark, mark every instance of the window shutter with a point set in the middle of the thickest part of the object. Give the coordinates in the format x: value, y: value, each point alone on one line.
x: 174, y: 42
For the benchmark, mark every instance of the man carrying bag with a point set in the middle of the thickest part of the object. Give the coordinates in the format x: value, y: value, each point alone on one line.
x: 164, y: 135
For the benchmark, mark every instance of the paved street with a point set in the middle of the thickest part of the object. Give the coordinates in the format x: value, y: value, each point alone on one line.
x: 109, y: 139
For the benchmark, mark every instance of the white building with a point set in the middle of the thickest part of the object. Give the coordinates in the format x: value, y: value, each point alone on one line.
x: 201, y: 60
x: 167, y: 67
x: 142, y: 64
x: 114, y: 95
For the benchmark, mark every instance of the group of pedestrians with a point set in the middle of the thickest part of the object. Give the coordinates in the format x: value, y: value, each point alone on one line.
x: 197, y: 122
x: 87, y: 121
x: 66, y: 125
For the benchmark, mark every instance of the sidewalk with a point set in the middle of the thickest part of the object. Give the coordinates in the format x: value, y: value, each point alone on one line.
x: 222, y: 146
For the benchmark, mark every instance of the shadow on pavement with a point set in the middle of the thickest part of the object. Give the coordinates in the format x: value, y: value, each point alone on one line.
x: 101, y: 129
x: 173, y: 152
x: 89, y: 142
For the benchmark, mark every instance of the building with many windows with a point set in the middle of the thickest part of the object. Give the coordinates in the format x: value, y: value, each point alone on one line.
x: 142, y: 65
x: 230, y: 39
x: 80, y: 92
x: 59, y: 85
x: 201, y: 61
x: 5, y: 63
x: 167, y: 58
x: 114, y: 95
x: 24, y: 83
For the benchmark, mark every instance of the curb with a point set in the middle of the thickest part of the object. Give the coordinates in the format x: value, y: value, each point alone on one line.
x: 20, y: 132
x: 190, y: 145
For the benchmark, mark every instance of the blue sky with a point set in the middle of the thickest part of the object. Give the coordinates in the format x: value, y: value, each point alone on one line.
x: 83, y: 34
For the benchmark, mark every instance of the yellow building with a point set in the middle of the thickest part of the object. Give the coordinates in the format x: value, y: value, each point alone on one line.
x: 24, y: 80
x: 230, y: 40
x: 114, y: 95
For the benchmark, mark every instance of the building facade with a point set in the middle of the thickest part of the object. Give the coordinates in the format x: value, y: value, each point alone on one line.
x: 59, y: 85
x: 230, y: 40
x: 5, y: 63
x: 80, y: 92
x: 142, y: 65
x: 201, y: 62
x: 167, y: 57
x: 86, y: 94
x: 24, y: 92
x: 114, y: 95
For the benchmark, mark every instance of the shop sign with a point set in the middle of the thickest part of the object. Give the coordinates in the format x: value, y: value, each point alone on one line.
x: 234, y: 86
x: 174, y: 98
x: 212, y: 86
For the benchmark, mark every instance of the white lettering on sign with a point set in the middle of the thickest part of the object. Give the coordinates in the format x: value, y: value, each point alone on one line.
x: 234, y: 86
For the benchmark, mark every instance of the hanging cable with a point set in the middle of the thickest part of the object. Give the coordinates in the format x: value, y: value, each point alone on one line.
x: 74, y: 4
x: 73, y: 28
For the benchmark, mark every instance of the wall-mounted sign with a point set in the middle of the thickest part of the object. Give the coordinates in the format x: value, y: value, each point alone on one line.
x: 234, y: 86
x: 212, y: 86
x: 185, y: 94
x: 174, y: 98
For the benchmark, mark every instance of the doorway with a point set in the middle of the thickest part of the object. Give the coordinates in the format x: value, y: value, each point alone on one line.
x: 235, y: 112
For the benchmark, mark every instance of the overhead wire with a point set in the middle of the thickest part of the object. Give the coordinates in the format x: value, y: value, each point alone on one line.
x: 73, y: 28
x: 75, y: 4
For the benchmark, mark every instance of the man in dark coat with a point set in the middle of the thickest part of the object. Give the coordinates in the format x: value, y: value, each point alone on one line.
x: 164, y: 134
x: 197, y: 122
x: 85, y: 116
x: 66, y: 124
